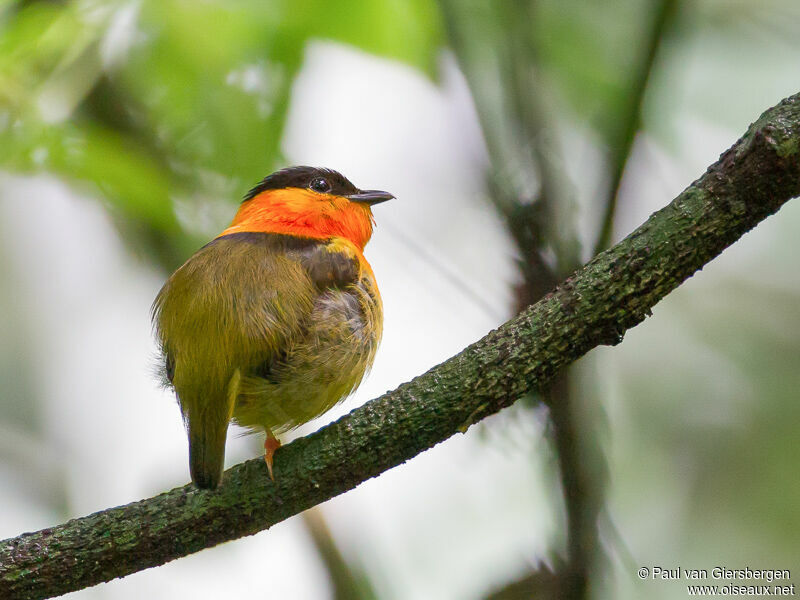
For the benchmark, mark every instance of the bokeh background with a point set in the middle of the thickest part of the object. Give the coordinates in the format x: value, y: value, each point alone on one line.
x: 519, y: 137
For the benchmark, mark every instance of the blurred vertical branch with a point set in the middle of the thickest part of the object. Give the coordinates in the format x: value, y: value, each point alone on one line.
x: 496, y: 50
x: 541, y: 583
x: 348, y: 581
x: 621, y: 144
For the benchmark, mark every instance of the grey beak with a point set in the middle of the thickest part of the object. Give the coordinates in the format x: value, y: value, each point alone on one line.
x: 370, y: 197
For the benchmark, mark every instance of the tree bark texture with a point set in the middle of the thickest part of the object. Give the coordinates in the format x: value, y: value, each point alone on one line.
x: 596, y: 305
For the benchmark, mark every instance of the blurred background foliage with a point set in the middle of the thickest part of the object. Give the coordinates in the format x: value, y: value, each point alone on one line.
x: 157, y: 104
x: 677, y: 447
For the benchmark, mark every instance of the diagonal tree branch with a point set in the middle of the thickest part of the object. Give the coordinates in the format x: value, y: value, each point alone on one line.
x: 596, y: 305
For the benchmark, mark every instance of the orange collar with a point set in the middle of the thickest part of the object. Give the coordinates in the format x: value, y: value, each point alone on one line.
x: 305, y: 213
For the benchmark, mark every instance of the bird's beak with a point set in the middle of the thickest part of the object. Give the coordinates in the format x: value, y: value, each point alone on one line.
x: 370, y: 197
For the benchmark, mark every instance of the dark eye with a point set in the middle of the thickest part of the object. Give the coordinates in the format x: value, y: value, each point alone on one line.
x: 320, y: 184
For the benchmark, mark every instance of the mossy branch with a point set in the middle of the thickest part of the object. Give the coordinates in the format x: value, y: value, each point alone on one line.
x: 596, y: 305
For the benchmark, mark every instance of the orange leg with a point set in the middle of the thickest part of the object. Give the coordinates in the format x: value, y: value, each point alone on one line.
x: 270, y: 445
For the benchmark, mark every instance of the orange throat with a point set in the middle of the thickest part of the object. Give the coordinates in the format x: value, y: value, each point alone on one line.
x: 304, y: 213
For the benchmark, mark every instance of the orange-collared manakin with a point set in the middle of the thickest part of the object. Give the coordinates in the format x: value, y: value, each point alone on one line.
x: 277, y: 319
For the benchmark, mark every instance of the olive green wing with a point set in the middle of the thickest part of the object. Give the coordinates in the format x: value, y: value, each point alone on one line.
x: 233, y: 307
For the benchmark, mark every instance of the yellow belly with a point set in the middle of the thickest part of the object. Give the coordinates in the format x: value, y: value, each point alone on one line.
x: 320, y: 369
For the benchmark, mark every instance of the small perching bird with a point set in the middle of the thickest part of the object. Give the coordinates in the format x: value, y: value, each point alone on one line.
x: 277, y: 319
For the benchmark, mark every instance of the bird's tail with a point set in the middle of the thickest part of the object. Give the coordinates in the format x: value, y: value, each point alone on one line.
x: 207, y: 425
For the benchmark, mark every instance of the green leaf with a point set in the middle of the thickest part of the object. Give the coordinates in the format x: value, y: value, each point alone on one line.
x: 189, y: 105
x: 406, y: 30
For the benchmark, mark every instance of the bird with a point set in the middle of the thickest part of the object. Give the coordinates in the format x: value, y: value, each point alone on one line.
x: 275, y: 320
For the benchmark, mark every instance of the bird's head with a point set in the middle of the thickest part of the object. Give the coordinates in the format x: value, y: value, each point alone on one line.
x: 308, y: 202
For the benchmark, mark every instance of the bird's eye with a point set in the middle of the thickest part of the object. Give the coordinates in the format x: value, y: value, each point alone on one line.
x: 320, y: 184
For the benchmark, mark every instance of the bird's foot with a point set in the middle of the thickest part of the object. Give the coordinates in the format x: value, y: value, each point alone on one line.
x: 271, y: 444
